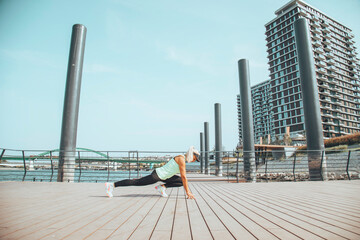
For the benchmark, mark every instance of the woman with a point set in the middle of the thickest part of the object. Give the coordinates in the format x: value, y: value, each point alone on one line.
x: 165, y: 174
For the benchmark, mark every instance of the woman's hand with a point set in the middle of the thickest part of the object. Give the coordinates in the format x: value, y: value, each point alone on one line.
x: 190, y: 195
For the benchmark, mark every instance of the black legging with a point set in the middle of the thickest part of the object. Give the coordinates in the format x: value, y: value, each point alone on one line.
x: 174, y: 181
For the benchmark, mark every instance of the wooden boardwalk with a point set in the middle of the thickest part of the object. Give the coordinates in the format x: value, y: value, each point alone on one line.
x: 296, y: 210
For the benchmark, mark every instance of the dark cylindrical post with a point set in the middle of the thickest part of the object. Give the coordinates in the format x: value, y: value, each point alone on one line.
x: 201, y: 152
x: 347, y: 165
x: 52, y: 167
x: 218, y: 140
x: 2, y: 154
x: 66, y: 171
x: 206, y: 133
x: 310, y: 97
x: 247, y: 121
x: 23, y: 156
x: 79, y: 166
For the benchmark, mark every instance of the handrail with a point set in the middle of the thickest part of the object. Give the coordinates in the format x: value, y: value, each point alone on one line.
x: 111, y: 165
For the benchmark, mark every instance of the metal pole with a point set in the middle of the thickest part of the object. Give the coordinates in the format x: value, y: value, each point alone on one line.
x: 237, y: 166
x: 201, y: 152
x: 23, y: 155
x: 52, y: 167
x: 137, y: 160
x: 206, y: 133
x: 66, y: 171
x: 247, y: 121
x: 294, y: 168
x: 347, y: 166
x: 310, y: 97
x: 2, y: 154
x: 108, y: 175
x: 218, y: 140
x: 79, y: 166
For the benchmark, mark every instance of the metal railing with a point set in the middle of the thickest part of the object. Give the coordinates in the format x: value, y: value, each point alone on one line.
x: 102, y: 166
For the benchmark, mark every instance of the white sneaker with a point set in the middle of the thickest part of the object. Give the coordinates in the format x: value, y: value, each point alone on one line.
x: 161, y: 190
x: 109, y: 189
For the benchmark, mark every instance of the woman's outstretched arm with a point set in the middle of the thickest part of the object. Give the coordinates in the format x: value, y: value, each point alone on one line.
x: 182, y: 167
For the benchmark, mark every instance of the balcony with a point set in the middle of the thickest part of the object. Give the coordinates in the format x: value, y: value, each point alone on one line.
x: 327, y: 35
x: 321, y: 70
x: 351, y: 35
x: 352, y: 53
x: 330, y: 55
x: 327, y: 48
x: 316, y: 36
x: 322, y: 77
x: 331, y: 74
x: 323, y: 85
x: 332, y: 68
x: 315, y: 24
x: 321, y: 64
x: 330, y: 62
x: 326, y: 41
x: 303, y: 13
x: 325, y: 30
x: 324, y: 23
x: 349, y: 47
x: 316, y: 43
x: 323, y: 91
x: 319, y: 50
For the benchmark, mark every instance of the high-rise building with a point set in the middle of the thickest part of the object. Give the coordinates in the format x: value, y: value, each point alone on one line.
x: 261, y: 108
x: 337, y: 71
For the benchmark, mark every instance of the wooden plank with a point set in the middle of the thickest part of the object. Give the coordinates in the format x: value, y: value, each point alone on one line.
x: 216, y: 226
x: 163, y: 228
x: 254, y: 226
x: 146, y: 227
x: 108, y: 225
x: 290, y: 218
x: 181, y: 227
x: 236, y: 229
x: 125, y: 230
x: 199, y: 227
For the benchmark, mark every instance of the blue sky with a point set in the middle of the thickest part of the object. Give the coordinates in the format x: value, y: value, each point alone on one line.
x: 153, y: 70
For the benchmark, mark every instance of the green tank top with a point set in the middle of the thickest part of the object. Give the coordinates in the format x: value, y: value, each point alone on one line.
x: 168, y: 170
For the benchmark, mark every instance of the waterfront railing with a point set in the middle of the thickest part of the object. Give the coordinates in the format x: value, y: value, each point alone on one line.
x: 104, y: 166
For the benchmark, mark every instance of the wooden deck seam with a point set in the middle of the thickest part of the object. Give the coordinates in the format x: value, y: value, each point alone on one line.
x: 250, y: 203
x: 250, y: 217
x: 143, y: 218
x: 295, y: 217
x: 160, y: 215
x: 215, y: 214
x: 197, y: 204
x: 301, y: 213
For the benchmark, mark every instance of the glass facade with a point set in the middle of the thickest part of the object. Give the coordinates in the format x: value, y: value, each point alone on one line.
x: 337, y: 71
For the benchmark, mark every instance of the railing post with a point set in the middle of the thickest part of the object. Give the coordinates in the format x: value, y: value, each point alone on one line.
x: 129, y: 165
x: 79, y: 166
x: 107, y: 154
x: 52, y: 167
x: 294, y: 168
x: 347, y: 165
x: 206, y: 141
x: 237, y: 166
x: 266, y: 161
x: 228, y: 167
x: 321, y: 165
x: 137, y: 160
x: 23, y: 154
x: 2, y: 154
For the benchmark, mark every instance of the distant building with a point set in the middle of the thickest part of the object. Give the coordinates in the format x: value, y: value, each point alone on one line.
x: 277, y: 103
x: 261, y: 108
x: 337, y: 71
